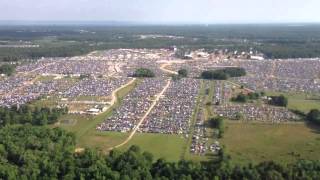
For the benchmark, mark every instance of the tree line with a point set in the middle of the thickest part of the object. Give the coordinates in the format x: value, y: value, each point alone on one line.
x: 143, y: 72
x: 16, y: 54
x: 275, y: 41
x: 243, y: 98
x: 7, y: 69
x: 278, y: 100
x: 26, y: 114
x: 33, y: 152
x: 314, y: 116
x: 223, y: 74
x: 217, y: 123
x: 182, y: 73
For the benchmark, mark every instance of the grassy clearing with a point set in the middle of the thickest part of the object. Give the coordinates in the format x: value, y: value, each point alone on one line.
x: 101, y: 140
x: 304, y: 105
x: 85, y: 131
x: 244, y: 142
x: 169, y: 147
x: 165, y: 146
x: 45, y: 78
x: 284, y: 143
x: 92, y: 98
x: 300, y: 101
x: 75, y: 123
x: 47, y: 102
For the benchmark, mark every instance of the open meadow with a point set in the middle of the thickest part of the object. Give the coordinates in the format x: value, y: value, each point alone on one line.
x: 283, y: 143
x: 300, y: 101
x: 244, y: 142
x: 169, y: 147
x: 84, y: 126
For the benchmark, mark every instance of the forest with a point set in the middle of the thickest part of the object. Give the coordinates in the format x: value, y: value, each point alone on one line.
x: 243, y: 98
x: 7, y: 69
x: 26, y: 114
x: 143, y: 72
x: 223, y: 74
x: 314, y: 116
x: 278, y: 100
x: 273, y: 40
x: 29, y: 152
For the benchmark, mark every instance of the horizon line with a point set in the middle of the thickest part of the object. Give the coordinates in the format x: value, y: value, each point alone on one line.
x: 123, y: 23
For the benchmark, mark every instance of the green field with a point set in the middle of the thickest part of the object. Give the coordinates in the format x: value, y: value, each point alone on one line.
x: 101, y: 140
x: 85, y: 131
x: 45, y: 78
x: 300, y: 101
x: 90, y: 98
x: 47, y: 102
x: 244, y: 142
x: 170, y: 147
x: 249, y: 142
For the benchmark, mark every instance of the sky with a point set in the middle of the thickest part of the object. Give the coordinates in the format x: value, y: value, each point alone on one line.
x: 163, y: 11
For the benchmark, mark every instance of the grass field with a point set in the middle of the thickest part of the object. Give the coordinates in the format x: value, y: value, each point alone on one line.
x: 300, y: 101
x: 248, y: 142
x: 45, y: 78
x: 243, y: 141
x: 170, y: 147
x: 93, y: 98
x: 85, y: 131
x: 47, y: 102
x: 101, y: 140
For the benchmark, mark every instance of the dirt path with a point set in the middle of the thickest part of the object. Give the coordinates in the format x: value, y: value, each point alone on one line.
x: 114, y: 93
x: 238, y: 85
x: 163, y: 68
x: 144, y: 117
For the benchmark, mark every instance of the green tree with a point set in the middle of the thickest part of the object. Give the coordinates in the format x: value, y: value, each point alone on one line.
x: 240, y: 98
x: 183, y: 73
x: 7, y: 69
x: 143, y: 72
x: 279, y: 101
x: 314, y: 116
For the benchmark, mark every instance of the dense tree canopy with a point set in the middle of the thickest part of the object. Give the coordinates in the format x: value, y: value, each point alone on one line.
x: 275, y: 41
x: 214, y: 75
x: 233, y: 71
x: 278, y: 100
x: 242, y: 98
x: 223, y: 74
x: 7, y: 69
x: 183, y: 73
x: 143, y: 72
x: 28, y: 152
x: 28, y: 115
x: 217, y: 123
x: 314, y: 116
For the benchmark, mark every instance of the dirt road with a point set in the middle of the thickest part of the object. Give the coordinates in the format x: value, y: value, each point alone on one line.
x: 145, y: 116
x: 112, y: 103
x: 163, y: 68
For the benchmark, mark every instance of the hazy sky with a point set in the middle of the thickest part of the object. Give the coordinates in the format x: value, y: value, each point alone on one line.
x: 163, y: 11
